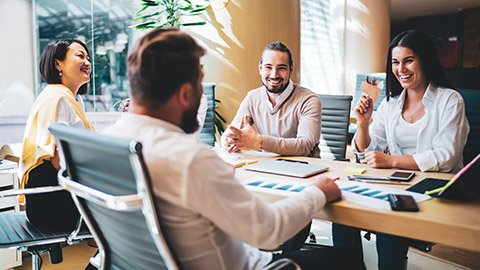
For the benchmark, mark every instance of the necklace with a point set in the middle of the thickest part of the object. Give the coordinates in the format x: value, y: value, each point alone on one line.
x: 411, y: 116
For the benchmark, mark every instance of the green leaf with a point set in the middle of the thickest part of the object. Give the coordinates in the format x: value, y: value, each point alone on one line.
x: 144, y: 25
x: 187, y: 8
x: 151, y: 4
x: 194, y: 23
x: 200, y: 8
x: 141, y: 10
x: 191, y: 14
x: 149, y: 15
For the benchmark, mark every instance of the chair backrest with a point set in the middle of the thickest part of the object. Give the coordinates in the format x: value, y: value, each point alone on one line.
x: 111, y: 187
x: 207, y: 134
x: 335, y: 121
x: 472, y: 110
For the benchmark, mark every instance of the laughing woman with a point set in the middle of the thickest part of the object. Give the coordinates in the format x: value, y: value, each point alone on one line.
x: 65, y: 66
x: 421, y: 125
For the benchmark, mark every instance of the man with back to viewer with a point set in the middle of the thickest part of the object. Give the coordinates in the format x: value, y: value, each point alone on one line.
x: 287, y: 116
x: 212, y: 221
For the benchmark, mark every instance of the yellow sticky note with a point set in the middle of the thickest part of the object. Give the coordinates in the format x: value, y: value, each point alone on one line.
x: 354, y: 170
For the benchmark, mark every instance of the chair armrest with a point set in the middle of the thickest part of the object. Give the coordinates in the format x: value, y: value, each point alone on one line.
x: 280, y: 264
x: 29, y: 191
x: 120, y: 203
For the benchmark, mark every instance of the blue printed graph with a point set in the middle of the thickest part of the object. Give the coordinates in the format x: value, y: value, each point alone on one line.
x: 275, y: 185
x: 371, y: 195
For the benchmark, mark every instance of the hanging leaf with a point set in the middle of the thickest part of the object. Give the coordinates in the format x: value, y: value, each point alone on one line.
x: 194, y: 23
x: 141, y: 10
x: 144, y: 25
x: 148, y: 16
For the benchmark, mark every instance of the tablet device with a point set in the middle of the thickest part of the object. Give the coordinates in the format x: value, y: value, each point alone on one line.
x: 464, y: 186
x: 286, y: 167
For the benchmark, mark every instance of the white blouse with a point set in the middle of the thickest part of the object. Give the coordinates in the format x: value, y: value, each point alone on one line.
x: 441, y: 136
x: 66, y: 114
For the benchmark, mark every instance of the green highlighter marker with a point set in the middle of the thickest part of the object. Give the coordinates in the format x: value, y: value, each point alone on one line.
x: 428, y: 192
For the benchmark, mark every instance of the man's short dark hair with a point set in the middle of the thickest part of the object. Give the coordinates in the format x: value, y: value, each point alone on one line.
x: 278, y: 46
x: 57, y: 50
x: 160, y: 62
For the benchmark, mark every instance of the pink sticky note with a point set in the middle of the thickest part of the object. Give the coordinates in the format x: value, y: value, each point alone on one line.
x: 372, y: 90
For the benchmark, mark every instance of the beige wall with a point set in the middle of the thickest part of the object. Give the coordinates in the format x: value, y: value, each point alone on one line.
x: 16, y: 68
x: 235, y: 39
x: 367, y: 37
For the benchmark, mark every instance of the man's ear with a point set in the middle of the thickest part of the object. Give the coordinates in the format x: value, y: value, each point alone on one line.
x: 185, y: 94
x: 291, y: 71
x: 260, y: 68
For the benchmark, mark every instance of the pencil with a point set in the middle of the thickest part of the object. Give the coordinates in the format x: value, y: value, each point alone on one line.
x: 384, y: 182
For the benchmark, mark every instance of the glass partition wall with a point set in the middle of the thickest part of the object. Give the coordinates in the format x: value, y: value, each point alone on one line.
x: 104, y: 27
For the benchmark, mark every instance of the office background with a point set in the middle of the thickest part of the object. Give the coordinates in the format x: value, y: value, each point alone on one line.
x: 332, y: 41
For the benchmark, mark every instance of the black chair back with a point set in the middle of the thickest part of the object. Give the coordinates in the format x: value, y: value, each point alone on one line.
x: 472, y: 110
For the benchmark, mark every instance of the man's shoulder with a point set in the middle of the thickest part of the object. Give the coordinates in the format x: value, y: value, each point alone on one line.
x: 301, y: 90
x: 305, y: 96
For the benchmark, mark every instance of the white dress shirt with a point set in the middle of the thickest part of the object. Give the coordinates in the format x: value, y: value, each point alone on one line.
x: 441, y: 136
x: 212, y: 220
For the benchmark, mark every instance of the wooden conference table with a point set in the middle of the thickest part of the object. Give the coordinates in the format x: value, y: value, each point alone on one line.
x: 448, y: 222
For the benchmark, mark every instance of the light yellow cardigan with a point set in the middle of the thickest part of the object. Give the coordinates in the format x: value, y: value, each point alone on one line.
x: 38, y: 142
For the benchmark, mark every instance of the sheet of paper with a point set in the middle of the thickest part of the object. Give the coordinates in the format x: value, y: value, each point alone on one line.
x: 371, y: 195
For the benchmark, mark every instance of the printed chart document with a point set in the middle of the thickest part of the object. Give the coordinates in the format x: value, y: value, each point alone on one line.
x: 371, y: 195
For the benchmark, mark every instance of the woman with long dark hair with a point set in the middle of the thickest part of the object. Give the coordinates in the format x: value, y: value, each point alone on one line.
x: 420, y: 125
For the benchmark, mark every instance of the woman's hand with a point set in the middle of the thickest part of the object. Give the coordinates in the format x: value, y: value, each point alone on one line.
x: 378, y: 159
x: 364, y: 109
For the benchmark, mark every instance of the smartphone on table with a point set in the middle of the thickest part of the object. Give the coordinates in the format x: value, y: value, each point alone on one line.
x: 400, y: 202
x: 403, y: 176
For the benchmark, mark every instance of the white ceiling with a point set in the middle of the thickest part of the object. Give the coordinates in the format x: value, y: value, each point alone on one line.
x: 406, y: 9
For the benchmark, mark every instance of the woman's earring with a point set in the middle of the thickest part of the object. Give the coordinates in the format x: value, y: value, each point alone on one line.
x: 60, y: 73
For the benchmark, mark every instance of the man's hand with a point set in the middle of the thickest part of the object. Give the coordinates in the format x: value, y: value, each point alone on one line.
x: 328, y: 186
x: 378, y: 159
x: 243, y: 137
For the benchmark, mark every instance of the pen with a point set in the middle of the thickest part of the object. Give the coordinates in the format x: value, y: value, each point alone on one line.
x: 383, y: 182
x: 362, y: 177
x: 295, y: 161
x: 374, y: 180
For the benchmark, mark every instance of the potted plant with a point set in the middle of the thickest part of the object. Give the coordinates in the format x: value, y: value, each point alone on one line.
x: 168, y: 13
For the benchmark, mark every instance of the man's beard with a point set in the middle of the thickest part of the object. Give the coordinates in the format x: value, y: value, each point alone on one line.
x: 189, y: 121
x: 276, y: 91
